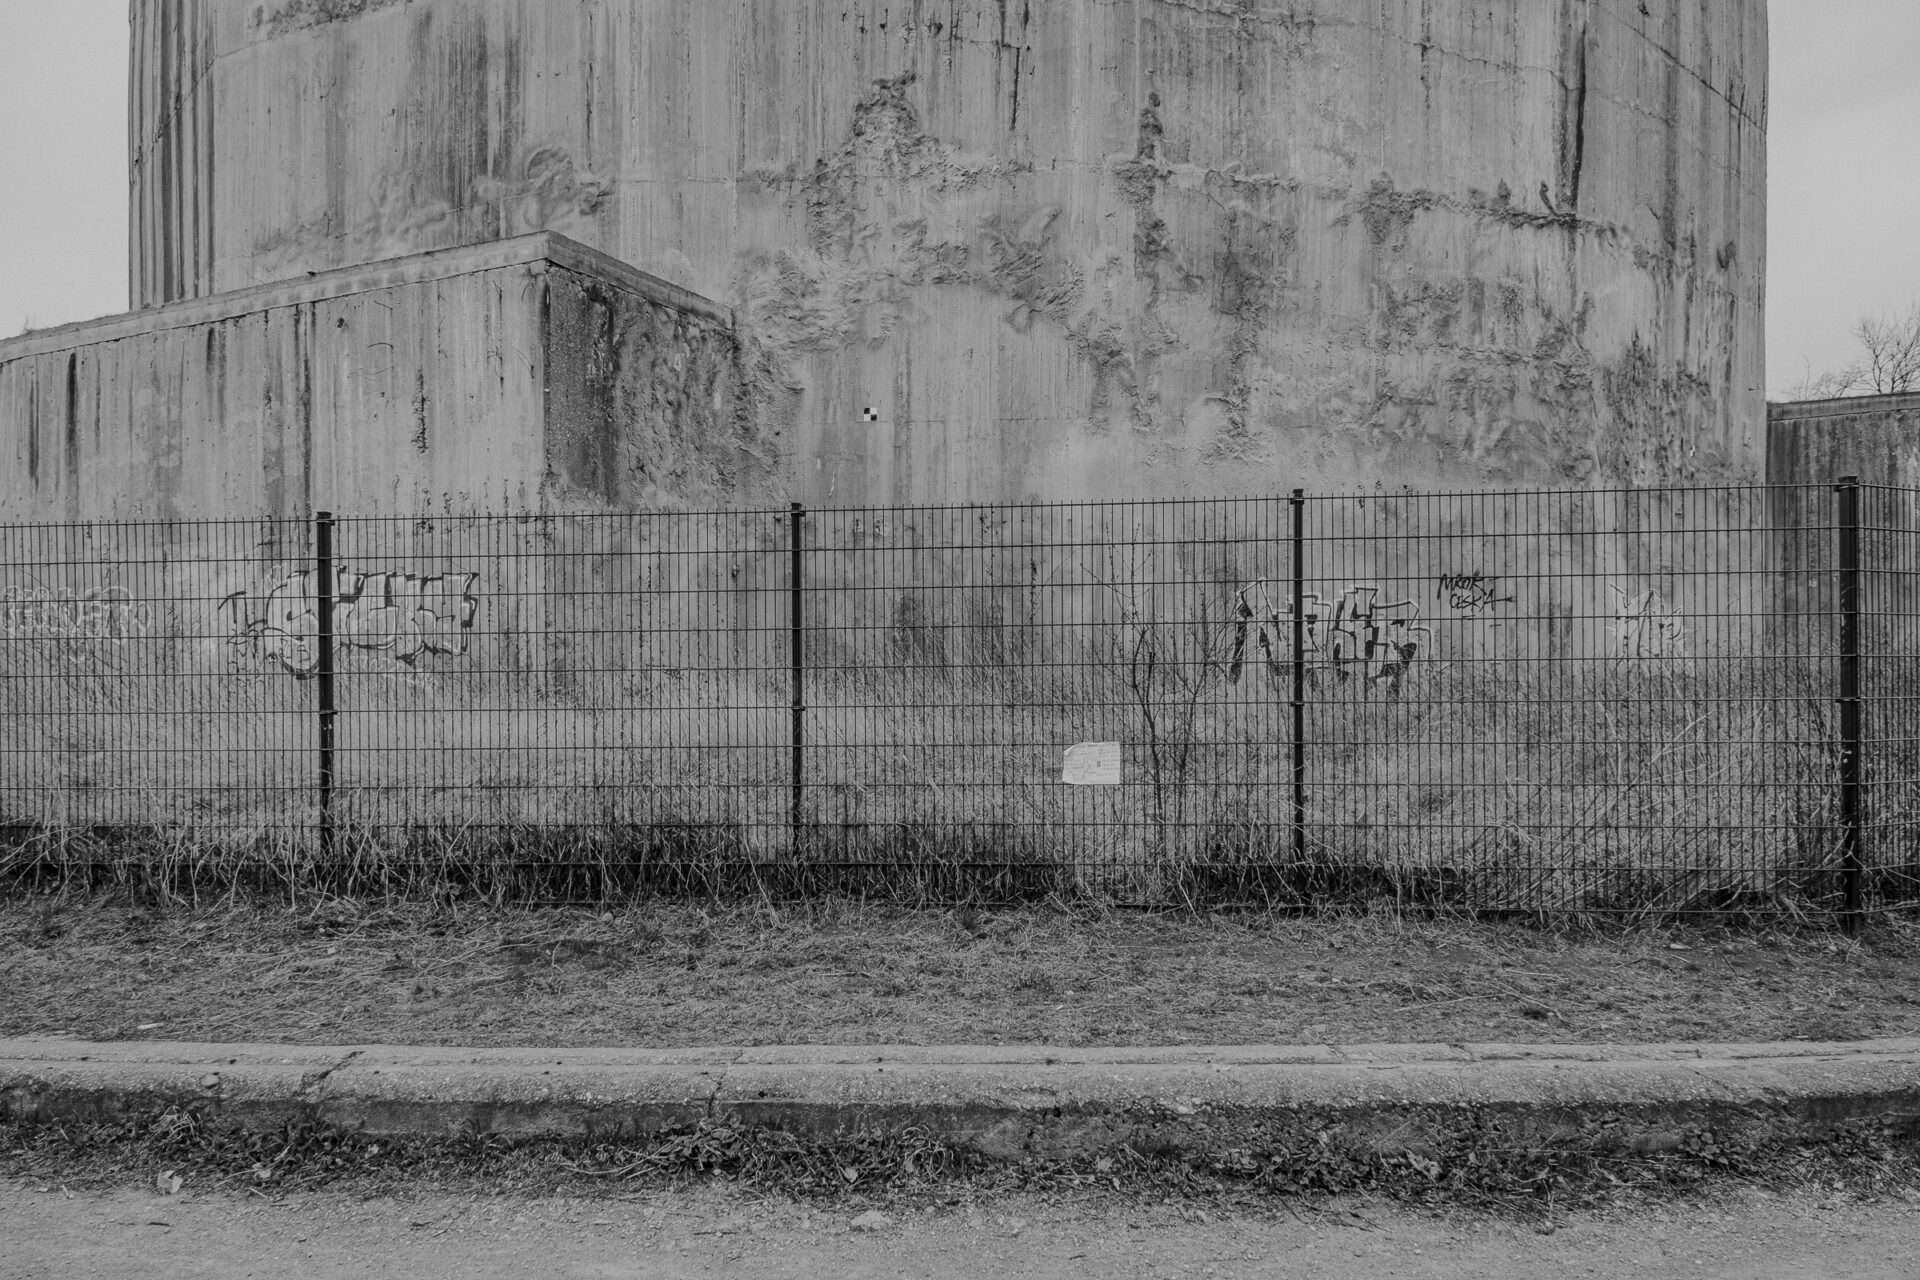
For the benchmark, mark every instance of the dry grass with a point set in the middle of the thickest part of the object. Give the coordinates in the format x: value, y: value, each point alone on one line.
x: 835, y: 971
x: 1650, y: 788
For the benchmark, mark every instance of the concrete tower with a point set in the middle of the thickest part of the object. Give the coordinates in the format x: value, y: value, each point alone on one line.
x: 979, y: 250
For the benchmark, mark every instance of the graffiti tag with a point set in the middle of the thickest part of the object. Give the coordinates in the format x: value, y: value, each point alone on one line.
x: 1356, y: 635
x: 403, y: 615
x: 1644, y: 626
x: 1471, y: 593
x: 83, y: 619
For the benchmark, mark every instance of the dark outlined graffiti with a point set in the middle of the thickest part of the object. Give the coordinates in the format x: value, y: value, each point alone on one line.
x: 1356, y: 635
x: 403, y: 615
x: 1644, y: 626
x: 1471, y: 593
x: 81, y: 620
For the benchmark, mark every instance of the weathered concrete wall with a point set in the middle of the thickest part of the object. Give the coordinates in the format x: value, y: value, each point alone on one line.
x: 1811, y: 444
x: 644, y: 407
x: 1876, y: 438
x: 171, y: 150
x: 496, y: 378
x: 1085, y: 248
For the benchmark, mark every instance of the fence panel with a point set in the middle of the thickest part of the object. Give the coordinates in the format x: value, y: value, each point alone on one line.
x: 1038, y: 699
x: 1890, y: 691
x: 144, y: 696
x: 587, y: 694
x: 1576, y: 701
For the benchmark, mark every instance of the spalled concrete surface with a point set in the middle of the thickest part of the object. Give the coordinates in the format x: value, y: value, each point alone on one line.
x: 1065, y: 250
x: 1003, y: 1101
x: 520, y: 374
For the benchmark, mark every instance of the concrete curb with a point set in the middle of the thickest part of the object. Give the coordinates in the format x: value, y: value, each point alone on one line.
x: 1006, y: 1102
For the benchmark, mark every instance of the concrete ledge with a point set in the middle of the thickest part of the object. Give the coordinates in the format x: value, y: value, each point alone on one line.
x: 536, y: 250
x: 1003, y: 1101
x: 1843, y: 406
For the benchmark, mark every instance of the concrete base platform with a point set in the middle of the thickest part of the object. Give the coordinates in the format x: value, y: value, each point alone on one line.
x: 511, y: 376
x: 1005, y: 1102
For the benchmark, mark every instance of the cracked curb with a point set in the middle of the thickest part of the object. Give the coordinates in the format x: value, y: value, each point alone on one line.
x: 1005, y: 1102
x: 313, y: 1084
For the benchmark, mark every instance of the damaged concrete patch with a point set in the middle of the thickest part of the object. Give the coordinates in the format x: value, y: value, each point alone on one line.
x: 1258, y: 20
x: 277, y: 19
x: 1389, y: 212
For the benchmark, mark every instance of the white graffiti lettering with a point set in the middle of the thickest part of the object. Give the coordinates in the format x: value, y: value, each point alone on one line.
x: 82, y: 620
x: 403, y: 615
x: 1644, y: 626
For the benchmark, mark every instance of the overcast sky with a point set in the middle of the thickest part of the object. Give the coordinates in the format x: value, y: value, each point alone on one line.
x: 1844, y: 170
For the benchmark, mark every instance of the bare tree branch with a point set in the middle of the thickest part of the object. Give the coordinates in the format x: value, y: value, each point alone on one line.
x: 1828, y: 385
x: 1892, y: 346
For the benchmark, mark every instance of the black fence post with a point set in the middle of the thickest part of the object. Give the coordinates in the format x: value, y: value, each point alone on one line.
x: 797, y: 657
x: 323, y: 670
x: 1299, y: 506
x: 1848, y: 490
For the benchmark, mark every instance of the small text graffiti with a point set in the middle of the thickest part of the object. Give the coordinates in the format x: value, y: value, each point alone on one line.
x: 1357, y: 634
x: 1644, y: 627
x: 80, y: 619
x: 1471, y: 593
x: 403, y: 615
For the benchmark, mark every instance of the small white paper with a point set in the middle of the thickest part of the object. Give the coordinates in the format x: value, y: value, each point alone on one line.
x: 1092, y: 764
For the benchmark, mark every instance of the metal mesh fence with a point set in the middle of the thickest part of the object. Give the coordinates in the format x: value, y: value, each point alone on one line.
x: 134, y: 701
x: 1642, y: 701
x: 1888, y: 680
x: 1572, y: 701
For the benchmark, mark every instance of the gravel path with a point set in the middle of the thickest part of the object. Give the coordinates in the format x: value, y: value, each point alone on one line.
x: 49, y: 1235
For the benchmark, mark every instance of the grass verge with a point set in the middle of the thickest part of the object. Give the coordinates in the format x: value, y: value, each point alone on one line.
x: 674, y: 973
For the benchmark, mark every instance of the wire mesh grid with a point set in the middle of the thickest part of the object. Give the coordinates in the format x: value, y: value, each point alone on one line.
x: 1889, y: 692
x: 143, y: 695
x: 1572, y: 701
x: 962, y: 653
x: 592, y: 695
x: 1653, y: 702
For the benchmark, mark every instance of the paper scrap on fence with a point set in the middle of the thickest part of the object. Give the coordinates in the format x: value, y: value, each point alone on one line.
x: 1093, y: 764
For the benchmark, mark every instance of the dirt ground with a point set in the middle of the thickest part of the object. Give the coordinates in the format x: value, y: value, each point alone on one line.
x: 46, y: 1233
x: 844, y: 973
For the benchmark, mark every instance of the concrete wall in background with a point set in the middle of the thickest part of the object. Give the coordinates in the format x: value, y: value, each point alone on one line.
x: 527, y: 374
x: 992, y: 251
x: 1811, y: 444
x: 1876, y: 438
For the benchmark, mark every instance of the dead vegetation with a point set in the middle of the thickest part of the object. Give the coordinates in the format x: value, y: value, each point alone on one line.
x: 1642, y: 792
x: 1471, y: 1159
x: 676, y: 973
